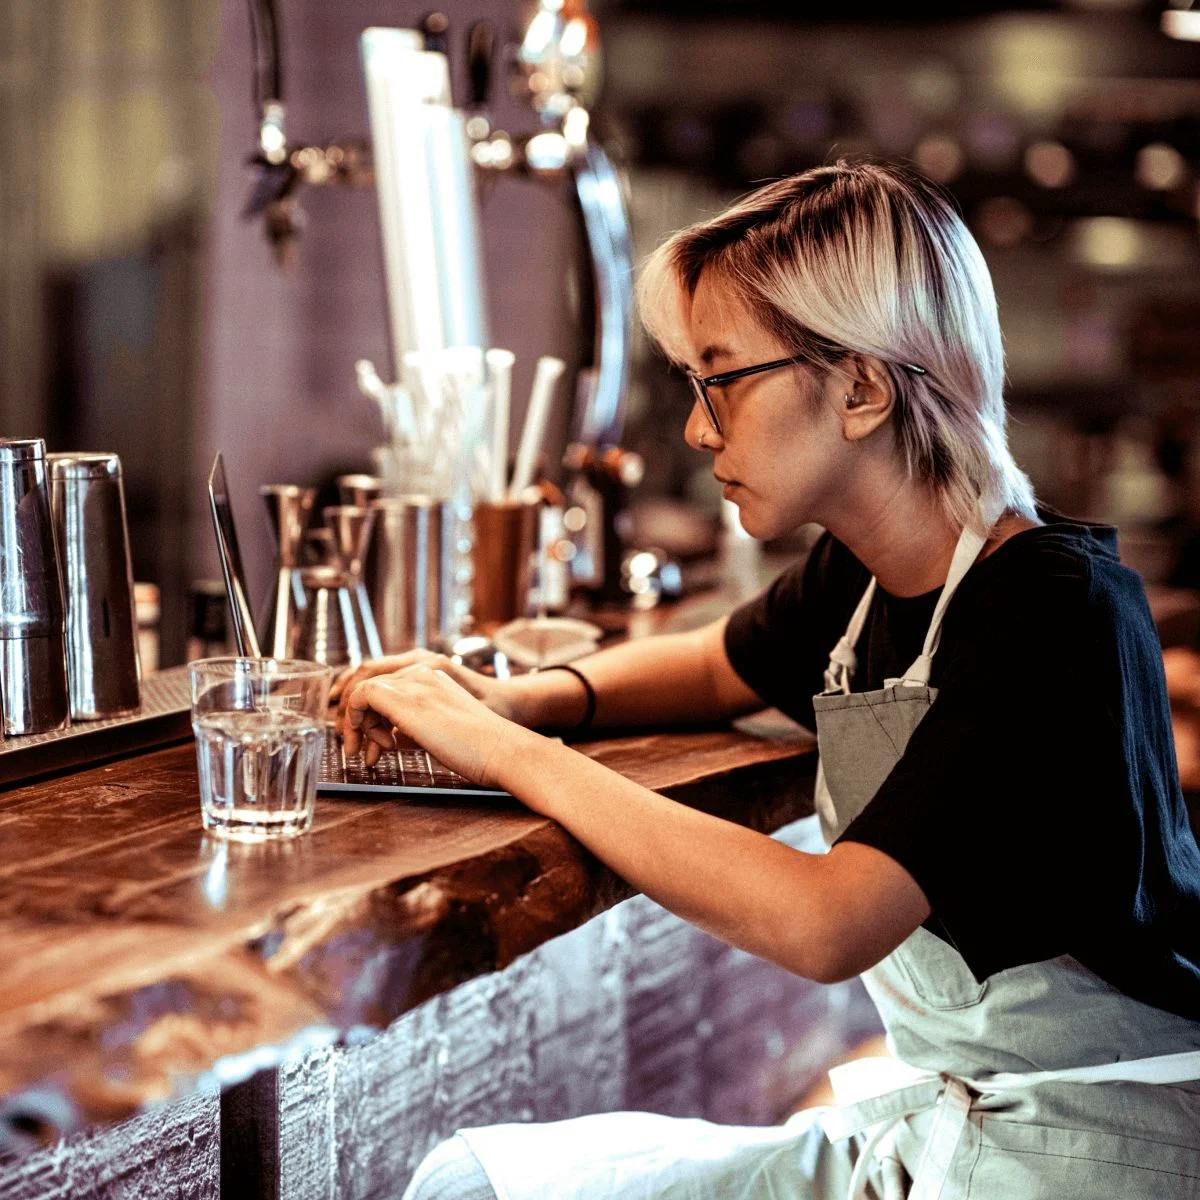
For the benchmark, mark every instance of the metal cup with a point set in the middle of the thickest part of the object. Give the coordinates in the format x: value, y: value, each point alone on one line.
x: 407, y: 573
x: 349, y: 526
x: 288, y: 508
x: 328, y: 630
x: 359, y: 490
x: 88, y: 506
x: 33, y: 668
x: 505, y: 535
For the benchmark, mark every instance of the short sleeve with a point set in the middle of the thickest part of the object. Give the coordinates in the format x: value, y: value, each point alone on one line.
x: 779, y: 642
x: 1010, y: 806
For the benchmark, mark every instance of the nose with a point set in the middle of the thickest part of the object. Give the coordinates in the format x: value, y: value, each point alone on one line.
x: 700, y: 427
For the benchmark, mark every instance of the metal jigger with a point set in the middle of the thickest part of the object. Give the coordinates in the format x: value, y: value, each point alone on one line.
x: 351, y: 527
x: 289, y: 508
x: 359, y: 490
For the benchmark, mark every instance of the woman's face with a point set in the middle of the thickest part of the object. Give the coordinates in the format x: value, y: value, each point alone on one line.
x: 781, y: 453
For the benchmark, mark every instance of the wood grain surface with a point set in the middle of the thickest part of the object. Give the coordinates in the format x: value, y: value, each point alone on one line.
x: 144, y: 959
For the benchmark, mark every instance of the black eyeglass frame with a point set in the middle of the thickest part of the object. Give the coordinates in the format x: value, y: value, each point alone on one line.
x: 701, y: 383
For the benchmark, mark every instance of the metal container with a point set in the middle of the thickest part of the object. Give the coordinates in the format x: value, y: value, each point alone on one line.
x: 350, y: 527
x: 328, y: 630
x: 289, y: 508
x: 505, y: 536
x: 359, y: 490
x: 88, y: 506
x: 33, y: 667
x: 406, y: 572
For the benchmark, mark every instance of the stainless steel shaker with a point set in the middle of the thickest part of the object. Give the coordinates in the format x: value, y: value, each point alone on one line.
x: 33, y: 665
x: 87, y: 502
x: 407, y: 571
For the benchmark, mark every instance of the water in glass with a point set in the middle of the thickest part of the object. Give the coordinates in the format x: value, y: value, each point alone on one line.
x: 258, y: 771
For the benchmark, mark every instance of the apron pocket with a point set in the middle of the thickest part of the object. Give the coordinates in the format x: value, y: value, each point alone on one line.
x: 1020, y: 1161
x: 936, y: 971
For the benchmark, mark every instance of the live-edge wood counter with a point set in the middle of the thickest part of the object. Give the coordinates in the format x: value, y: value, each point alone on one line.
x: 144, y: 959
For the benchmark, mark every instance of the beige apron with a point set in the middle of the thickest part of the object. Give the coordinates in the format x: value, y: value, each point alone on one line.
x: 1035, y: 1082
x: 1040, y: 1082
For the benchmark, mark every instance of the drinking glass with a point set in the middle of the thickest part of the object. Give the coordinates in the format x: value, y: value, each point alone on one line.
x: 260, y: 732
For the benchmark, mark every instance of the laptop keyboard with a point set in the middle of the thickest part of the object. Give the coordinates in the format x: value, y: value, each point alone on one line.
x: 395, y: 768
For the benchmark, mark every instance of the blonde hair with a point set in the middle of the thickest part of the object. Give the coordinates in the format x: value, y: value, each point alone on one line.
x: 867, y: 258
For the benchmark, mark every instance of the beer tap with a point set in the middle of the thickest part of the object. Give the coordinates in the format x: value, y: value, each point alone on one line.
x: 556, y: 69
x: 281, y: 166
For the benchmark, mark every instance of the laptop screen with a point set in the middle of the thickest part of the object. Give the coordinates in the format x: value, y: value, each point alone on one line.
x: 231, y: 562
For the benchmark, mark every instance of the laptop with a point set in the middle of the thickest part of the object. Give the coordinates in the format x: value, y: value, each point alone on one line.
x: 410, y: 771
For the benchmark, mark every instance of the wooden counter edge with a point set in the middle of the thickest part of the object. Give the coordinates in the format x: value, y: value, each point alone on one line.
x: 217, y: 1010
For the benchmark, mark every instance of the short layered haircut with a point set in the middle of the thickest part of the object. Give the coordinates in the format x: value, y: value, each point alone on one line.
x: 866, y: 258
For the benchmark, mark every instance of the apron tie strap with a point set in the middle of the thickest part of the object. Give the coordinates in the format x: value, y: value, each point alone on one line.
x: 876, y: 1094
x: 842, y: 659
x: 842, y: 663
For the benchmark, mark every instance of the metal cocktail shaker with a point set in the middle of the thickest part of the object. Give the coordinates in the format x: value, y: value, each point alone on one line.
x: 33, y: 668
x: 87, y: 501
x: 406, y: 571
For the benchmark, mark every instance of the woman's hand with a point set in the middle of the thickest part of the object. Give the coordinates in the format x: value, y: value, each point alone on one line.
x: 491, y: 692
x: 424, y: 703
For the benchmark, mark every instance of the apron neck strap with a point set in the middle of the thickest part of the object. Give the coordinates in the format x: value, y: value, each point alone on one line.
x: 843, y: 660
x: 966, y: 552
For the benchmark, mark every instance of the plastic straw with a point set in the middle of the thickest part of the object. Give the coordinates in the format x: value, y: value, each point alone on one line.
x: 395, y: 402
x: 500, y: 365
x: 534, y: 432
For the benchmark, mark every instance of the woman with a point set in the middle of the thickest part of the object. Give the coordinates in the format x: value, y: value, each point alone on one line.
x: 1010, y: 864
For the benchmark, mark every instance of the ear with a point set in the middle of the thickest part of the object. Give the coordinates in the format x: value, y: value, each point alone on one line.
x: 867, y: 396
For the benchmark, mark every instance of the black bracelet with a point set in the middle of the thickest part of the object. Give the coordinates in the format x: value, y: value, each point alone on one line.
x: 590, y: 711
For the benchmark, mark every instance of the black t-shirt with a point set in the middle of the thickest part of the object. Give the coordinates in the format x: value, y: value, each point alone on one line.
x: 1037, y: 804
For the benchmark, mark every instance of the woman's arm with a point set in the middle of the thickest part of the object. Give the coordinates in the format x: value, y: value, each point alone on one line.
x: 826, y: 917
x: 669, y: 679
x: 665, y: 680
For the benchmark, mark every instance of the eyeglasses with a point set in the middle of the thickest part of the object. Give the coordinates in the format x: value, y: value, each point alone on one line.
x: 701, y: 384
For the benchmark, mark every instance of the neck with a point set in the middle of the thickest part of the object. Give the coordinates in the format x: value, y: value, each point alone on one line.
x: 901, y: 535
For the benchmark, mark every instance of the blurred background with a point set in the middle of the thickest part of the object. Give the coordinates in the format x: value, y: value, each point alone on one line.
x: 142, y: 312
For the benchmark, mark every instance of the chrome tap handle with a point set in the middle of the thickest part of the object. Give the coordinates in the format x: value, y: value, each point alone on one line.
x: 606, y: 221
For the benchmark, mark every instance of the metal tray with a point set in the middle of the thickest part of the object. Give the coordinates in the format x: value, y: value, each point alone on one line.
x: 165, y: 717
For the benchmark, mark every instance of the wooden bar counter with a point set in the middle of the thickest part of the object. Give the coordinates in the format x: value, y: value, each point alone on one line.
x: 140, y: 953
x: 148, y: 962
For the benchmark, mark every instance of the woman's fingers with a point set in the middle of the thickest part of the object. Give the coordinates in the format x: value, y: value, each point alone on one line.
x: 350, y: 678
x: 379, y: 739
x: 371, y: 735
